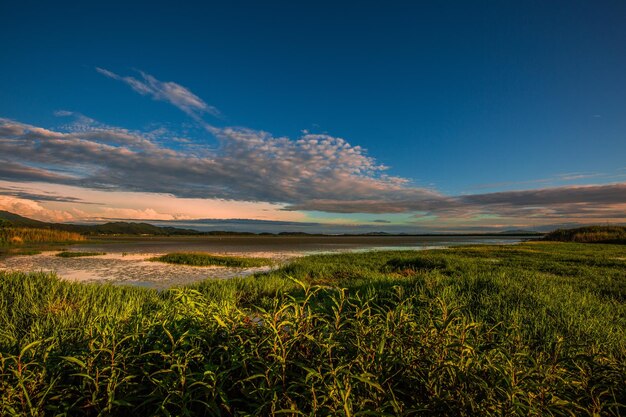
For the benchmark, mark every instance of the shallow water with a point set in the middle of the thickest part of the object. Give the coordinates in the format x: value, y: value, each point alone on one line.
x: 126, y: 259
x: 117, y: 268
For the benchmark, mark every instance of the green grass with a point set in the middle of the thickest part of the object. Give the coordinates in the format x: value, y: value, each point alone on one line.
x: 68, y: 254
x: 590, y: 234
x: 206, y: 259
x: 532, y: 329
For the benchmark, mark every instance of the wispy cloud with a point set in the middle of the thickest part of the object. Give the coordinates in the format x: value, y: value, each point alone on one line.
x: 10, y: 170
x: 603, y: 194
x: 167, y: 91
x: 22, y: 193
x: 554, y: 180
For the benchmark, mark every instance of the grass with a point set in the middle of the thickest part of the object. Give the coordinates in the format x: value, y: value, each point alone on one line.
x: 29, y: 241
x: 532, y: 329
x: 206, y: 259
x: 68, y: 254
x: 21, y: 252
x: 11, y: 236
x: 590, y: 234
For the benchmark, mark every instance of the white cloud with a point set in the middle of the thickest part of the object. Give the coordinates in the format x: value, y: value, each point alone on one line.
x: 63, y: 113
x: 167, y: 91
x: 35, y: 210
x: 313, y: 172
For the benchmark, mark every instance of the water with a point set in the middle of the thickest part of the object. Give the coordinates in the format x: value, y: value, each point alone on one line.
x: 126, y: 260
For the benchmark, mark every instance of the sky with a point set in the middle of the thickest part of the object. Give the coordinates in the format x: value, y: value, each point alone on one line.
x: 315, y: 116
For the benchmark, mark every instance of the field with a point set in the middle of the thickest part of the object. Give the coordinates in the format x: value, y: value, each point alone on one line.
x: 530, y: 329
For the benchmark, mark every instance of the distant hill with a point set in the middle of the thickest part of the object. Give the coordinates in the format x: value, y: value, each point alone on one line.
x: 590, y: 234
x: 112, y: 228
x: 19, y: 221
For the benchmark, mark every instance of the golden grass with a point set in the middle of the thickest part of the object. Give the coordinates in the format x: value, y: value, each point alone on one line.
x: 15, y: 236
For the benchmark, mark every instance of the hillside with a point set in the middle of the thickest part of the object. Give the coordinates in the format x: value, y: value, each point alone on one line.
x: 16, y: 220
x: 111, y: 228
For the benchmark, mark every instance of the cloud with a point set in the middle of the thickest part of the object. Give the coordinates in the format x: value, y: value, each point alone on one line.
x: 35, y: 210
x: 63, y: 113
x: 167, y: 91
x: 115, y: 213
x: 21, y: 193
x: 606, y: 201
x: 15, y: 171
x: 313, y: 172
x: 596, y: 194
x: 554, y: 180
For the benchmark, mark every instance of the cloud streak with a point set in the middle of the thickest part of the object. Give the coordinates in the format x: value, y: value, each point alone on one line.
x: 167, y: 91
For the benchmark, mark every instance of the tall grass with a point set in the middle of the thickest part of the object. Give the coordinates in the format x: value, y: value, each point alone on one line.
x: 21, y: 235
x: 590, y: 234
x: 535, y: 329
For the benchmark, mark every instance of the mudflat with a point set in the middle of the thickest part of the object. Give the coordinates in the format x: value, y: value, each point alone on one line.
x: 126, y: 260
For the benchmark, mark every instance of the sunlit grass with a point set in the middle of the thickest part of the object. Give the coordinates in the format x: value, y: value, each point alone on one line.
x: 533, y: 329
x: 19, y: 236
x: 206, y: 259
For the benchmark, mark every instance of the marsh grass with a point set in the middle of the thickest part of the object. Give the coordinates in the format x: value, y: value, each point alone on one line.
x: 22, y: 252
x: 590, y: 234
x: 20, y: 235
x: 542, y: 331
x: 68, y: 254
x: 206, y: 259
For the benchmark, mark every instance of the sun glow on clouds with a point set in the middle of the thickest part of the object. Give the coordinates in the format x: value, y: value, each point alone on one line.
x: 54, y: 202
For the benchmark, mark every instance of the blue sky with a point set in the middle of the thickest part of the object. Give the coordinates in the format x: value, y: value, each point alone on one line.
x: 467, y: 104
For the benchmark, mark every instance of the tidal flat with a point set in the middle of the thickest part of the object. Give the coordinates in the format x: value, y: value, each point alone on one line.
x: 126, y: 260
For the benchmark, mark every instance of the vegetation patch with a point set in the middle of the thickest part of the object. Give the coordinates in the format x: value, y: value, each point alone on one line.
x: 418, y: 263
x: 12, y: 236
x: 22, y: 252
x: 206, y: 259
x: 330, y: 335
x: 590, y: 234
x: 68, y: 254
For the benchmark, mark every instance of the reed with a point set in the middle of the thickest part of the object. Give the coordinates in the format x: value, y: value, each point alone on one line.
x: 17, y: 236
x: 532, y: 329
